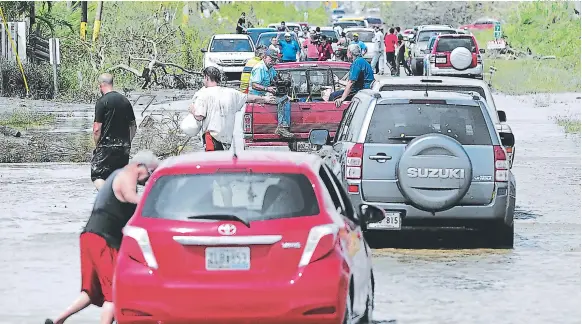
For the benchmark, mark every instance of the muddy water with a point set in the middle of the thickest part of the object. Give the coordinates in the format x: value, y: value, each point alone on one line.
x: 44, y: 206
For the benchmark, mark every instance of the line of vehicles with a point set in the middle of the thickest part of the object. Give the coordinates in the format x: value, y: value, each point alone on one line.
x: 279, y: 237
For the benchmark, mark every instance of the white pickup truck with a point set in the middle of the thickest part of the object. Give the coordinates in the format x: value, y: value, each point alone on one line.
x: 229, y: 53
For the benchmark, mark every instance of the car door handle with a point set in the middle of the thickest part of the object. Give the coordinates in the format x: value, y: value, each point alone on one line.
x: 380, y: 157
x: 305, y: 106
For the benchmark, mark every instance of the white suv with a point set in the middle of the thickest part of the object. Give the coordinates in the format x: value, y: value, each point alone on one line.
x: 229, y: 53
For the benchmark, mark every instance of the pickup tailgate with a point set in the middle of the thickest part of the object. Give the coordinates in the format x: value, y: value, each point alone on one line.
x: 260, y: 120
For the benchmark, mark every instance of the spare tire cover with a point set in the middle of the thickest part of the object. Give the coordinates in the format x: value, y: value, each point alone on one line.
x: 461, y: 58
x: 434, y: 172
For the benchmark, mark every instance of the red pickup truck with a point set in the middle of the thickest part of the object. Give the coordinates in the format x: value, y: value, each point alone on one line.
x: 308, y: 108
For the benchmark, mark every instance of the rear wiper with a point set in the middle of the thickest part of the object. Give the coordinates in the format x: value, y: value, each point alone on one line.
x: 223, y: 217
x: 402, y: 137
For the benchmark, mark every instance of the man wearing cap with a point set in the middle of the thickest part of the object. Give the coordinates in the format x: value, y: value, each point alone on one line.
x: 289, y: 49
x: 262, y: 79
x: 246, y: 74
x: 356, y: 40
x: 360, y: 76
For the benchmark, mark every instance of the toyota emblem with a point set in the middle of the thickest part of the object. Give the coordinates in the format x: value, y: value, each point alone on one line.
x: 227, y: 229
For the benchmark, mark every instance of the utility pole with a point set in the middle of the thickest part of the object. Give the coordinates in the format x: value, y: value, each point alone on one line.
x: 55, y: 61
x: 97, y: 24
x: 83, y: 20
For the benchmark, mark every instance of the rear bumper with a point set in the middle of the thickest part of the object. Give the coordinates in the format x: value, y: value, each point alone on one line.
x: 225, y: 69
x: 476, y: 71
x: 251, y: 302
x: 267, y: 146
x: 500, y: 208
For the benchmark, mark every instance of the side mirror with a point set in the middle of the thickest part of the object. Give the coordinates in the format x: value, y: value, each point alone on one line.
x: 203, y: 50
x: 502, y: 116
x: 371, y: 213
x: 319, y: 137
x: 482, y: 50
x: 507, y: 139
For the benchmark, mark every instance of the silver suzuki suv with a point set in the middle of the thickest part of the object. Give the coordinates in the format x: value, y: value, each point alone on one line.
x: 428, y: 158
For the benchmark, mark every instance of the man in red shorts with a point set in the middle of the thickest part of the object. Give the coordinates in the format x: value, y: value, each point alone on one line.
x: 100, y: 240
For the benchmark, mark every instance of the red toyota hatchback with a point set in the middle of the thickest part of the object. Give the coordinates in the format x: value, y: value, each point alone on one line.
x: 267, y: 237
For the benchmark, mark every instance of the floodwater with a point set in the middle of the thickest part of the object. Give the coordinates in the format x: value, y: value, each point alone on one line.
x: 44, y: 206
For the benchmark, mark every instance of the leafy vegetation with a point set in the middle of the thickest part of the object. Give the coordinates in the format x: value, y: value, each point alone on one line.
x: 570, y: 125
x: 22, y: 118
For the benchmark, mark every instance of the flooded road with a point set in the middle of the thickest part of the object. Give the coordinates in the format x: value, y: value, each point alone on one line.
x: 44, y: 207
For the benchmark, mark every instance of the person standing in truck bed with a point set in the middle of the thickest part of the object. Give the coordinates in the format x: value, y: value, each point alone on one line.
x: 246, y: 74
x: 113, y: 130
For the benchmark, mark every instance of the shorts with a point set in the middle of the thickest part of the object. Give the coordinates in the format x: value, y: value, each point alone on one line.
x: 97, y: 267
x: 211, y: 144
x: 107, y: 159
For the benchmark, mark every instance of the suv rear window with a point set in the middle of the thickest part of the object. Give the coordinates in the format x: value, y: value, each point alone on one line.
x: 231, y: 45
x: 376, y: 21
x: 255, y: 196
x: 448, y: 44
x: 396, y: 124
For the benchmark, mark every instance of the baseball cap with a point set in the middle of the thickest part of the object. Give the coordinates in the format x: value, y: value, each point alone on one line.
x: 287, y: 35
x: 355, y: 35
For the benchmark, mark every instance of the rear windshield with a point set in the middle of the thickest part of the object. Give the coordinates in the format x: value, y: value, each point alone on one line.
x: 345, y: 24
x: 425, y: 35
x: 364, y: 36
x: 255, y: 196
x: 375, y: 21
x: 231, y: 45
x: 448, y: 44
x: 313, y: 81
x: 338, y: 12
x: 330, y: 34
x: 265, y: 39
x: 397, y: 124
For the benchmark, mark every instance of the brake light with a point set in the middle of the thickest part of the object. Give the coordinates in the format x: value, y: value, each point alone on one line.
x: 501, y: 164
x: 354, y: 162
x: 320, y: 242
x: 140, y: 235
x: 248, y: 123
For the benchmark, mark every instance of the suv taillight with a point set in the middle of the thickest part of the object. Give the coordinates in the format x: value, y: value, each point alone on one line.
x: 501, y: 164
x: 248, y: 123
x: 320, y: 242
x: 142, y: 251
x: 354, y: 159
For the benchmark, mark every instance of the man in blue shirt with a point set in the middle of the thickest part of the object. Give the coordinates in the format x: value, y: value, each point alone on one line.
x: 356, y: 40
x: 289, y: 49
x: 360, y: 77
x: 261, y: 84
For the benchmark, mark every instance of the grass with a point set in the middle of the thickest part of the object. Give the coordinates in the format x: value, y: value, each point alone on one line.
x: 22, y: 119
x: 526, y: 76
x: 571, y: 125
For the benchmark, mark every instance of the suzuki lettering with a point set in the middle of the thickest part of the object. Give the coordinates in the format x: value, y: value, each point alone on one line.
x: 227, y: 229
x: 436, y: 173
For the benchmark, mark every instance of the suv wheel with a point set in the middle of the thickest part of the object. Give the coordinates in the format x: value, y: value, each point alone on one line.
x: 501, y: 234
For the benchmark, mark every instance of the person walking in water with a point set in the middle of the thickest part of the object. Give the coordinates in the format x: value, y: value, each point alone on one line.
x: 114, y: 128
x: 101, y: 238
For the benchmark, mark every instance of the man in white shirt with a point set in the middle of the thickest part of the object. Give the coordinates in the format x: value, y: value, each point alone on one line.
x: 215, y: 108
x: 378, y: 59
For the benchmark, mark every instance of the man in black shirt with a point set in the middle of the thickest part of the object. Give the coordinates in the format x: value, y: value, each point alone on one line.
x: 100, y: 240
x: 282, y: 27
x: 113, y: 130
x: 241, y: 24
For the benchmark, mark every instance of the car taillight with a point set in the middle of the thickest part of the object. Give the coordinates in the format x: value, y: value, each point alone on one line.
x: 354, y: 162
x: 248, y: 123
x: 501, y: 164
x: 140, y: 235
x: 320, y: 242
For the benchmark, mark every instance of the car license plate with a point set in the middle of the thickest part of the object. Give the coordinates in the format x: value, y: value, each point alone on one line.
x: 392, y: 221
x: 232, y: 258
x: 304, y: 147
x: 441, y: 60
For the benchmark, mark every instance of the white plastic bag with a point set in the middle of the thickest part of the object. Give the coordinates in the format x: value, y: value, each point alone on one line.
x: 190, y: 126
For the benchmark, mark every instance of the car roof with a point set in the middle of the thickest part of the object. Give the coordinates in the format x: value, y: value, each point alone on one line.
x: 410, y: 94
x: 261, y: 28
x: 243, y: 159
x: 332, y: 64
x: 385, y: 79
x: 350, y: 18
x: 231, y: 36
x: 276, y: 33
x: 358, y: 29
x: 435, y: 27
x: 327, y: 28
